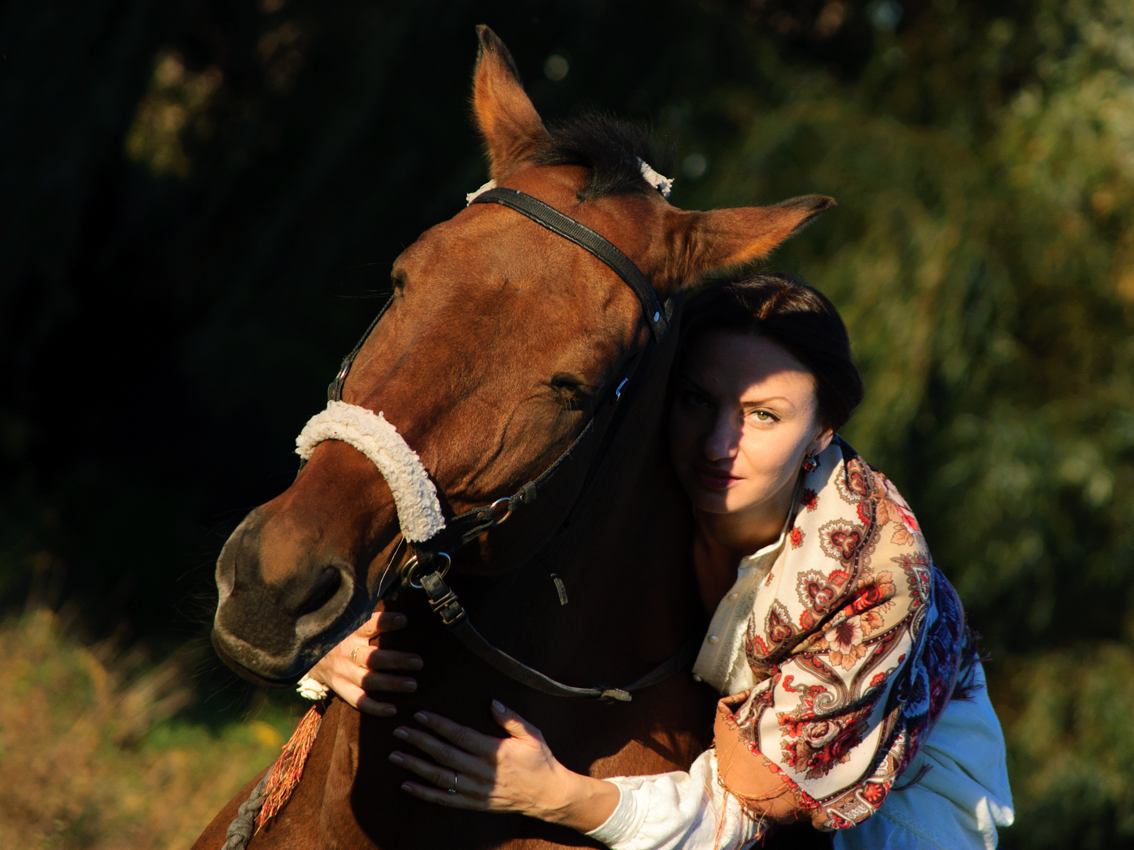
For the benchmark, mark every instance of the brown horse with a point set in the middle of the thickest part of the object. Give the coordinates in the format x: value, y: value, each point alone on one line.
x: 500, y: 338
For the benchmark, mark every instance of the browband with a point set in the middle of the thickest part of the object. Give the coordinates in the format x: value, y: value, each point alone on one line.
x: 571, y: 230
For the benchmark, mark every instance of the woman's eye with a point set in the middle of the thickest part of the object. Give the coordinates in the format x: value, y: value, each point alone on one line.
x: 694, y: 398
x: 764, y: 416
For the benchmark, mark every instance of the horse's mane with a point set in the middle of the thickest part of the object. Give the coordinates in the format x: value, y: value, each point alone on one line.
x: 610, y: 148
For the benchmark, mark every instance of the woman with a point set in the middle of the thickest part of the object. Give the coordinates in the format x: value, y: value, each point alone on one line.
x: 839, y: 648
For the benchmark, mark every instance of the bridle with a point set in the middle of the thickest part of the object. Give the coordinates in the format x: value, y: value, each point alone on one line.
x: 524, y: 522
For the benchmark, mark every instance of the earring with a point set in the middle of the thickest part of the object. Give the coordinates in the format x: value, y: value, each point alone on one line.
x: 810, y: 463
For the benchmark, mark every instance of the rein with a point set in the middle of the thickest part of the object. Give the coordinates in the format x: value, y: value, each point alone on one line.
x: 541, y: 507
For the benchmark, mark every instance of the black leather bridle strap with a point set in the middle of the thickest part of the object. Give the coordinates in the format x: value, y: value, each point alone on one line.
x: 335, y: 388
x: 586, y: 238
x: 445, y: 603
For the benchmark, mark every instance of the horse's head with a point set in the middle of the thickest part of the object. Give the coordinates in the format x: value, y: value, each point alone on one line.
x: 500, y: 339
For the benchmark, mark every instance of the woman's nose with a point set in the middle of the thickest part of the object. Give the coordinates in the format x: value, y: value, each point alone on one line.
x: 723, y: 439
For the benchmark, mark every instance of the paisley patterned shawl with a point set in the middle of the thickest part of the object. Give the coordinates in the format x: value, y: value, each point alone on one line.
x: 855, y: 641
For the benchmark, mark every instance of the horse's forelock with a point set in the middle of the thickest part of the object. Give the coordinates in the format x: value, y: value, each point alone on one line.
x: 612, y: 150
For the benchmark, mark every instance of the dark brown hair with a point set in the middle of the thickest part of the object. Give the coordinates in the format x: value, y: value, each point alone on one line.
x: 794, y: 316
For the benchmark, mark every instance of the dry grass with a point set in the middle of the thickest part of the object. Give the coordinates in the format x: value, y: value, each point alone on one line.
x: 89, y: 757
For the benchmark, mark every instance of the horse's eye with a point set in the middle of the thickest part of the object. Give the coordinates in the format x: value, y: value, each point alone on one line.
x: 567, y: 383
x: 570, y: 389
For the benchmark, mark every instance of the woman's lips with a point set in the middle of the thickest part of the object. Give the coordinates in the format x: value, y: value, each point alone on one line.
x: 714, y: 479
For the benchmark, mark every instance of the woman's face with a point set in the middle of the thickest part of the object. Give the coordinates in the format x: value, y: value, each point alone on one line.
x: 743, y: 419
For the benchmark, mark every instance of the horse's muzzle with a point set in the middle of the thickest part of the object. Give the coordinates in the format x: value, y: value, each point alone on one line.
x: 272, y: 628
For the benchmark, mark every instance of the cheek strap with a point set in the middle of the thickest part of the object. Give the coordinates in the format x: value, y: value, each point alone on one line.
x: 419, y: 512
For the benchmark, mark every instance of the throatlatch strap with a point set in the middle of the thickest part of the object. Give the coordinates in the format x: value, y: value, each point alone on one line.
x: 585, y: 238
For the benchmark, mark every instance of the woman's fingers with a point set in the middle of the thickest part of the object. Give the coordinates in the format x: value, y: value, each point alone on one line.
x: 449, y: 755
x: 512, y: 774
x: 354, y: 667
x: 515, y: 725
x: 386, y: 682
x: 444, y: 798
x: 370, y: 628
x: 370, y: 658
x: 358, y: 698
x: 467, y: 739
x: 382, y: 621
x: 369, y: 705
x: 443, y: 777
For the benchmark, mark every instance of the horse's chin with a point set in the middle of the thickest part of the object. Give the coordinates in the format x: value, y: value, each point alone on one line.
x: 247, y: 673
x: 282, y: 671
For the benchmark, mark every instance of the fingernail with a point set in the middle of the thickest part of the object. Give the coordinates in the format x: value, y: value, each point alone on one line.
x: 400, y: 619
x: 406, y: 787
x: 414, y: 663
x: 386, y: 710
x: 408, y: 685
x: 400, y: 732
x: 421, y: 717
x: 396, y: 758
x: 498, y: 707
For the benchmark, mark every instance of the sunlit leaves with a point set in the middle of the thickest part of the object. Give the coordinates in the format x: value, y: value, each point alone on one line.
x: 175, y: 103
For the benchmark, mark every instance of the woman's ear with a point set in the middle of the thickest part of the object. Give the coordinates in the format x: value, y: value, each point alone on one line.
x: 822, y: 440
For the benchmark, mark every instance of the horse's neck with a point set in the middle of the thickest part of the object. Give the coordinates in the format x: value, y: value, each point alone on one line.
x: 623, y: 558
x: 632, y: 601
x: 626, y: 555
x: 639, y: 547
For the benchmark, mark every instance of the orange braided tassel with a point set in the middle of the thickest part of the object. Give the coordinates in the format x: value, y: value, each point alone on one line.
x: 288, y: 769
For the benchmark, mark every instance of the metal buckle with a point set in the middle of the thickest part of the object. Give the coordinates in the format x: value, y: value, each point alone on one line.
x: 507, y: 513
x: 340, y: 378
x: 409, y: 570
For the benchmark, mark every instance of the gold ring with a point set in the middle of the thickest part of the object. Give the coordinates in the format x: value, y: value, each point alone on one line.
x: 353, y: 653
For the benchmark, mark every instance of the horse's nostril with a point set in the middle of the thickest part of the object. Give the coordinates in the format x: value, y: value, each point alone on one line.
x: 326, y: 586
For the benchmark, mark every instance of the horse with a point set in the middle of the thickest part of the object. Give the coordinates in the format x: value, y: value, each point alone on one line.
x: 499, y: 345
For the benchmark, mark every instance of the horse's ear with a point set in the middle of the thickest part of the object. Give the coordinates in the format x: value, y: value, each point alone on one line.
x: 709, y: 240
x: 507, y: 119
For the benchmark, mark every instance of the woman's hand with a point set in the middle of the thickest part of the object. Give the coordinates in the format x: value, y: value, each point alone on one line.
x: 515, y: 774
x: 354, y: 667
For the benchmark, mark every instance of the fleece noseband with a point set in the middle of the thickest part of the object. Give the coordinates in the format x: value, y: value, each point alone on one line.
x: 419, y: 512
x: 434, y: 540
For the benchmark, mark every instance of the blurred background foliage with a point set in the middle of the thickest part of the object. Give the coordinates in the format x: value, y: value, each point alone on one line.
x: 201, y: 198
